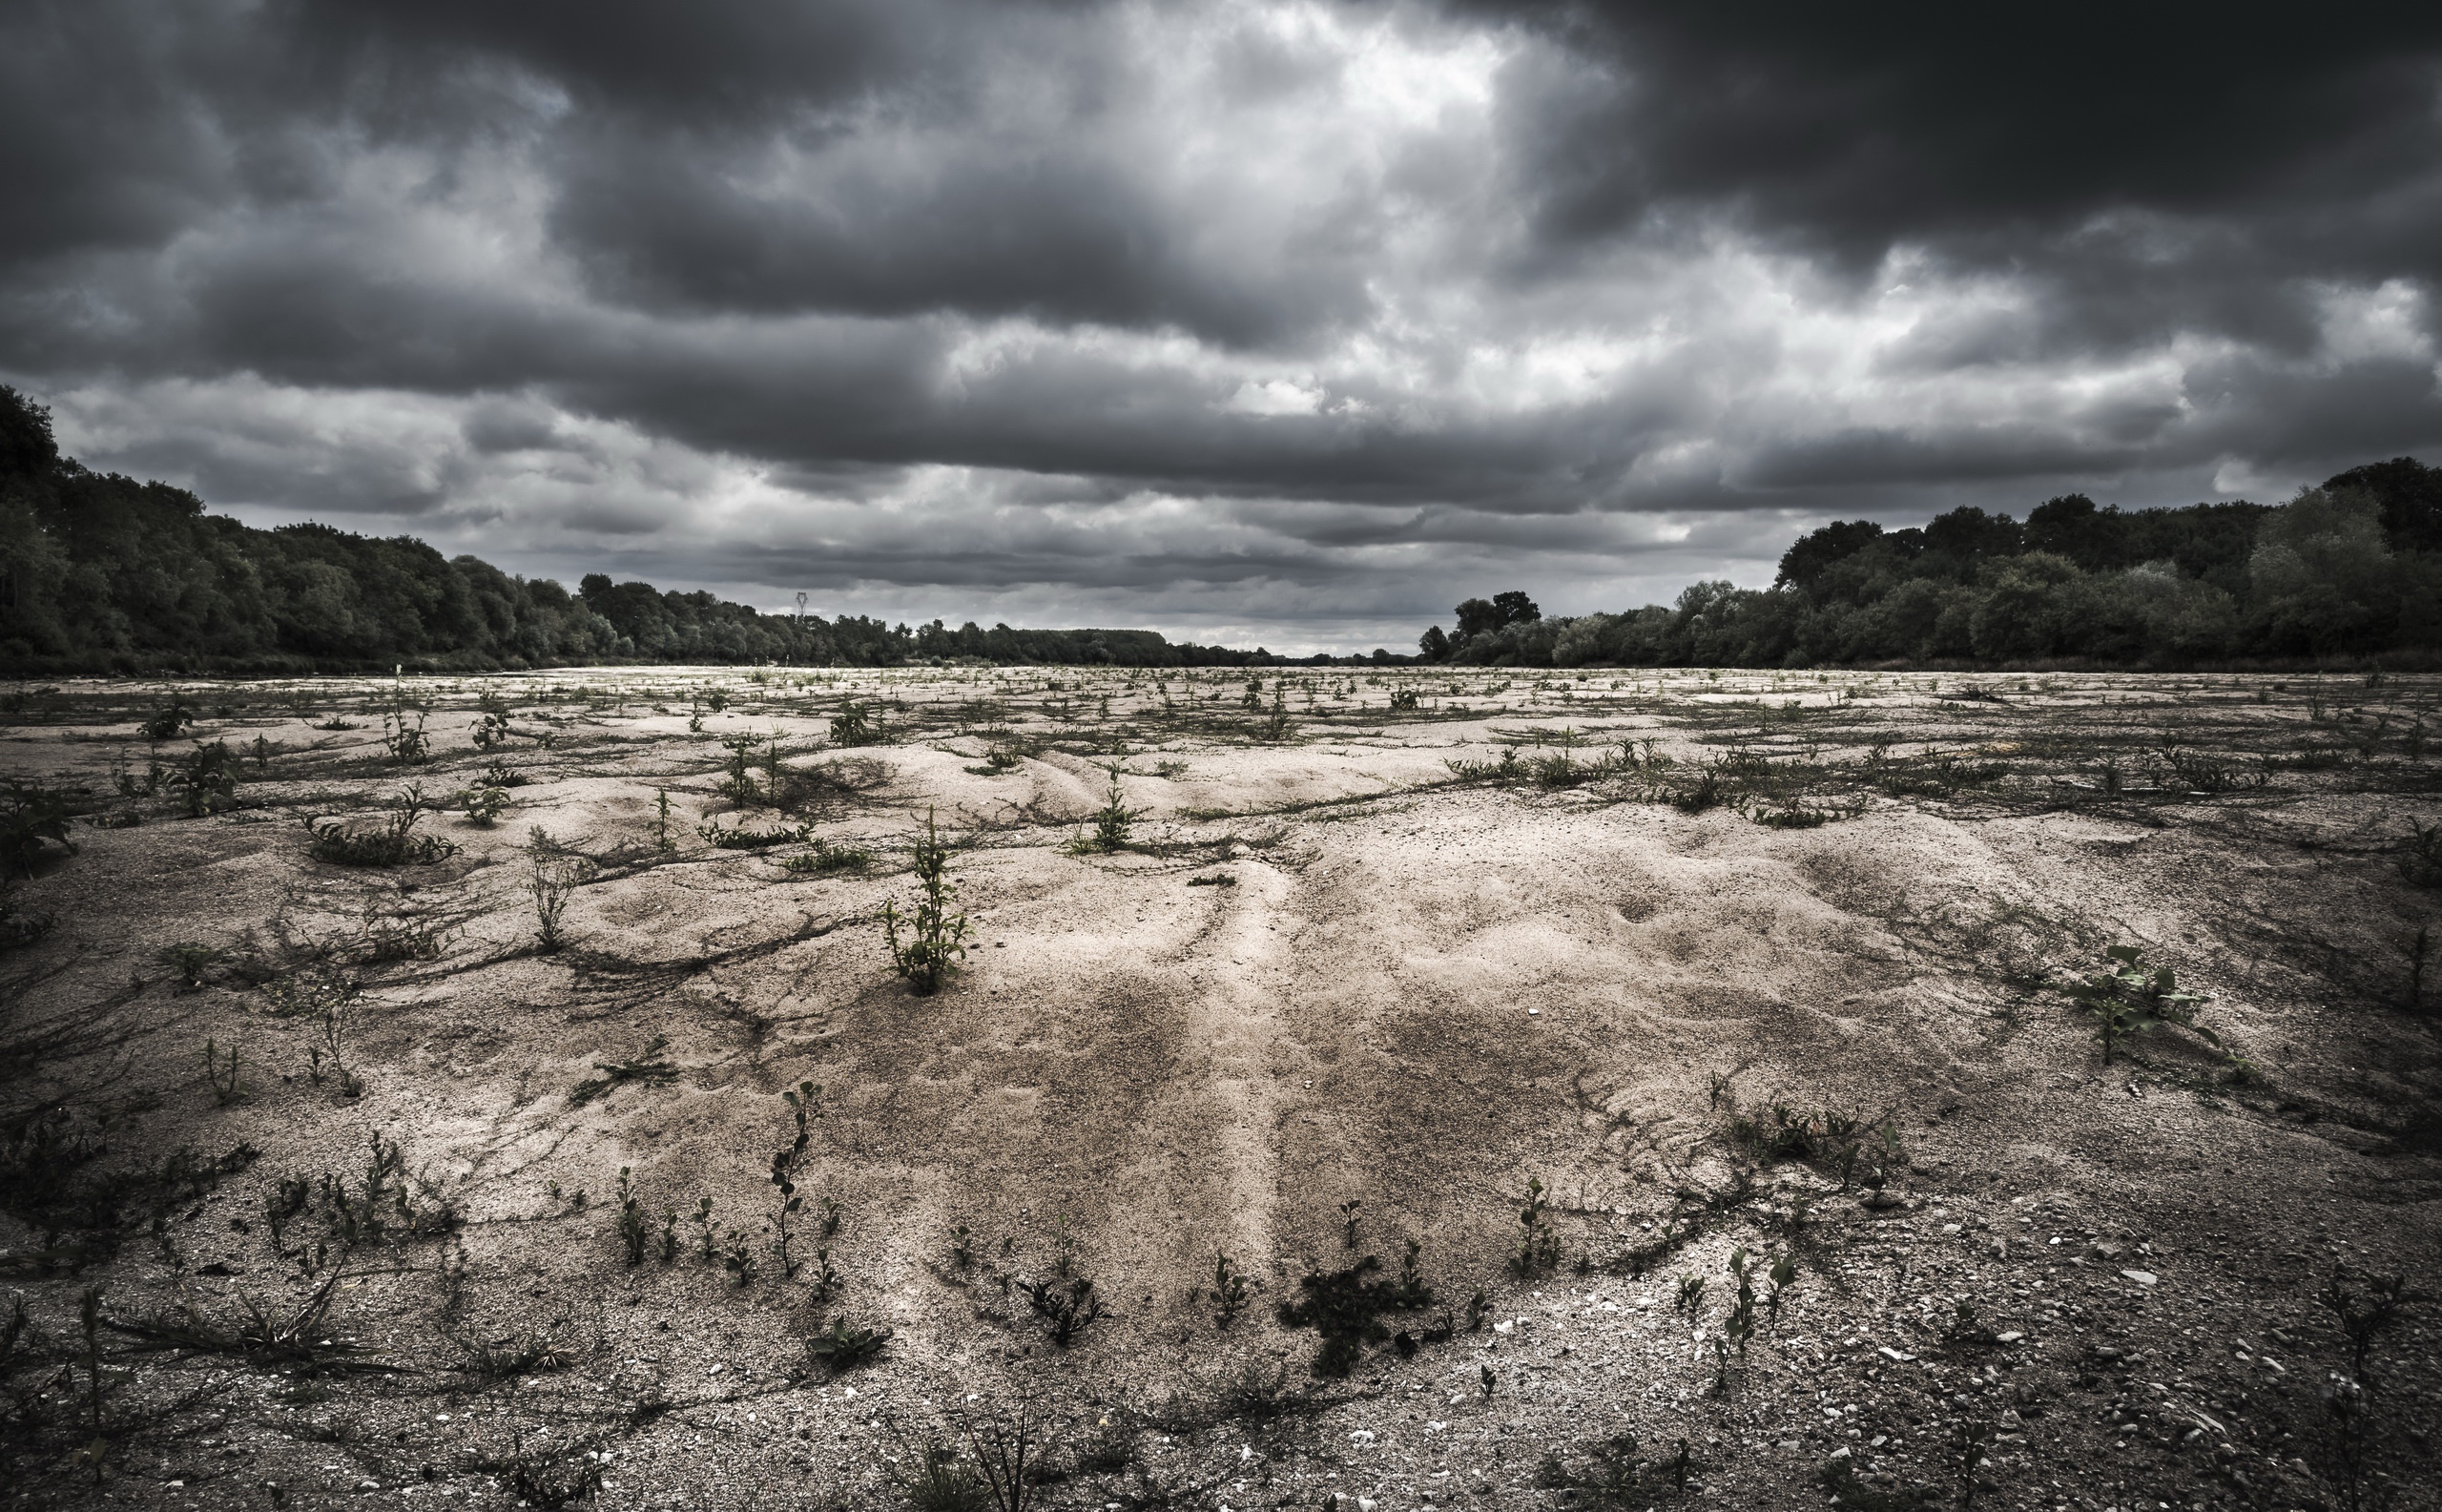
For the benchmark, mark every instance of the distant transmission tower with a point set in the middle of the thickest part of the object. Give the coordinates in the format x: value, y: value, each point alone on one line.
x: 796, y: 630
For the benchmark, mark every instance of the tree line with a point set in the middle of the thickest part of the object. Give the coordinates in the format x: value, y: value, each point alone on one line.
x: 2350, y: 568
x: 99, y: 572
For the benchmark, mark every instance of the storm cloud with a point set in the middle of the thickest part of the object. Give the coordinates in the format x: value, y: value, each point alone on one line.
x: 1288, y: 322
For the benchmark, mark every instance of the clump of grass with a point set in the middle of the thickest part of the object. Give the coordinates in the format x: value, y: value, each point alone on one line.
x: 221, y: 1073
x: 649, y: 1068
x: 2126, y: 997
x: 927, y: 945
x: 298, y: 1340
x: 1708, y: 791
x: 939, y: 1479
x: 826, y: 858
x: 393, y: 843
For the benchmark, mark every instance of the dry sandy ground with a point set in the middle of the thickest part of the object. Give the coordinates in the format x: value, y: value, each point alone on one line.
x: 1332, y: 999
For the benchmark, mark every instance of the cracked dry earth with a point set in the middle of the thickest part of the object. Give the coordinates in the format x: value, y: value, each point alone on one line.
x: 1759, y: 970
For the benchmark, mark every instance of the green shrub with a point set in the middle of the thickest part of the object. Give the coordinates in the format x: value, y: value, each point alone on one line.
x: 935, y: 935
x: 393, y: 843
x: 169, y: 723
x: 32, y: 818
x: 2127, y: 997
x: 209, y: 779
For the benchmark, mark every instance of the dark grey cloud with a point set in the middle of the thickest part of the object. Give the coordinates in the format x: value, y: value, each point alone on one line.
x: 1247, y: 309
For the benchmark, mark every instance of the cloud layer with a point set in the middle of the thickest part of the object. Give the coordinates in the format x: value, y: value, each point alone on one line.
x: 1281, y: 321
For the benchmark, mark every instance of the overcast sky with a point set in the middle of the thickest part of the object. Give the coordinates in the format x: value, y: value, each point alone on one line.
x: 1277, y: 322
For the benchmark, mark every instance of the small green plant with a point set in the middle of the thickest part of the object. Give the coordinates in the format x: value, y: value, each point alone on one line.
x: 2364, y: 1312
x: 2421, y: 857
x: 737, y: 1258
x: 636, y: 1230
x: 220, y: 1071
x: 553, y: 876
x: 2126, y: 997
x: 327, y: 998
x: 963, y: 1248
x: 1114, y: 820
x: 662, y: 843
x: 402, y: 733
x: 491, y: 732
x: 934, y: 937
x: 1403, y: 700
x: 1539, y: 1244
x: 1348, y: 1217
x: 739, y: 787
x: 32, y: 818
x: 804, y: 1108
x: 843, y: 1347
x: 1067, y: 1309
x: 189, y: 961
x: 856, y: 724
x: 483, y: 806
x: 169, y: 723
x: 89, y: 1317
x: 1739, y: 1327
x: 1691, y: 1294
x: 1965, y: 1325
x: 208, y: 778
x: 1783, y: 1276
x: 1229, y: 1292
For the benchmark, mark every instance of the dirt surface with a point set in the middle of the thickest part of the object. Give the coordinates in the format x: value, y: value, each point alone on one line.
x: 1473, y: 1020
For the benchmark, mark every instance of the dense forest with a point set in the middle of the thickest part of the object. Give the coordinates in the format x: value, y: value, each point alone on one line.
x: 2352, y: 568
x: 99, y: 572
